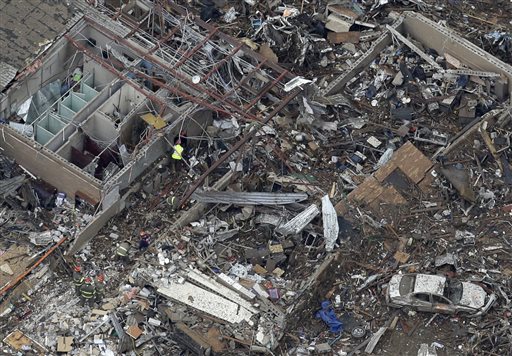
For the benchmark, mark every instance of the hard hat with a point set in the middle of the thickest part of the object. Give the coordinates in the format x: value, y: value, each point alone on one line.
x: 100, y: 277
x: 78, y: 268
x: 88, y: 280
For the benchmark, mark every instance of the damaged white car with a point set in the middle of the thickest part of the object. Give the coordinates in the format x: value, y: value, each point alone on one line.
x: 433, y: 293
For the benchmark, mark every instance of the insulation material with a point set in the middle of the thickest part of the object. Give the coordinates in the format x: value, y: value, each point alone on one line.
x: 207, y: 302
x: 330, y: 221
x: 248, y: 198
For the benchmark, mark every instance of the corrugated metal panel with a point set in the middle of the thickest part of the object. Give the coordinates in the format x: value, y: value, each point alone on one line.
x: 245, y: 198
x: 268, y: 219
x: 299, y: 222
x: 330, y: 220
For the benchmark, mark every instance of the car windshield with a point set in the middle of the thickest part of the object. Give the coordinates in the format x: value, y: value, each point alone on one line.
x: 406, y: 284
x: 453, y: 291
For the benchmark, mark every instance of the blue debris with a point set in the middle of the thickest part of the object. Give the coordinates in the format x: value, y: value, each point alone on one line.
x: 371, y: 91
x: 462, y: 81
x: 329, y: 317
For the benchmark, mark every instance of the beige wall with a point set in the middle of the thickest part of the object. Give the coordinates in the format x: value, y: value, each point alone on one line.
x: 432, y: 35
x: 48, y: 166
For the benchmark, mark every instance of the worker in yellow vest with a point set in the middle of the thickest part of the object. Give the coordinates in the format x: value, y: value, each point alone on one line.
x: 177, y: 154
x: 123, y: 250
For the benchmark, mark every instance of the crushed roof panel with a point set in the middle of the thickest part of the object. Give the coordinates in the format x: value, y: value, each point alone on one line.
x: 27, y: 26
x: 7, y: 74
x: 410, y: 160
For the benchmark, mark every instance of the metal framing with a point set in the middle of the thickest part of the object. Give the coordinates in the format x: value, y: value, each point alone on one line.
x: 238, y: 98
x: 181, y: 65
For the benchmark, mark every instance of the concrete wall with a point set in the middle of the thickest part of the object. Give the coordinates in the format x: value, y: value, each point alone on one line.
x: 144, y: 159
x: 100, y: 128
x: 125, y: 130
x: 56, y: 142
x: 54, y: 67
x: 432, y: 35
x: 102, y: 77
x: 76, y: 140
x: 444, y: 40
x: 125, y: 100
x: 92, y: 229
x: 49, y: 166
x: 364, y: 61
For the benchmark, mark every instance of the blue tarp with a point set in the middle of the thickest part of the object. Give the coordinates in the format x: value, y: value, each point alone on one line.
x: 329, y: 317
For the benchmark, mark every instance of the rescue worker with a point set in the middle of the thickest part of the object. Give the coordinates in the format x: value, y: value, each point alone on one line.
x: 78, y: 279
x: 75, y: 78
x: 87, y: 292
x: 123, y: 250
x: 144, y: 241
x: 172, y: 201
x: 100, y: 287
x: 77, y: 75
x: 177, y: 154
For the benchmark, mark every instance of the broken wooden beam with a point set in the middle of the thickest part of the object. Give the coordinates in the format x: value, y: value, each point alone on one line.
x: 344, y: 37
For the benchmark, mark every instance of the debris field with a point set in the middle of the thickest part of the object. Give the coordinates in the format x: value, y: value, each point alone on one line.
x: 344, y: 185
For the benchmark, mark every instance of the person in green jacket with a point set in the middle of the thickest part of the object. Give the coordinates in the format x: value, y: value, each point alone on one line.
x: 123, y: 250
x: 78, y: 279
x: 87, y: 292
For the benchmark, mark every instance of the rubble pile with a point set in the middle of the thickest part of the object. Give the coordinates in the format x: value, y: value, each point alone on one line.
x: 307, y: 239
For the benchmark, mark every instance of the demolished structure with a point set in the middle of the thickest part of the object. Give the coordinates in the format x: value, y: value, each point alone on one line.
x: 300, y: 197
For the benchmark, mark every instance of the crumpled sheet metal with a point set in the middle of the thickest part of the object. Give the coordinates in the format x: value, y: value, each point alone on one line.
x: 299, y: 222
x: 330, y: 221
x: 248, y: 198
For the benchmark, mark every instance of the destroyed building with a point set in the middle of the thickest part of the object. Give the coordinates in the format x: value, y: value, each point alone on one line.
x: 93, y: 138
x: 327, y: 150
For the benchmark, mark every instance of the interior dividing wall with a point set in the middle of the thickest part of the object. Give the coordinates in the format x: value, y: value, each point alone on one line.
x: 49, y: 167
x: 122, y: 102
x: 100, y: 128
x: 52, y: 66
x: 96, y: 87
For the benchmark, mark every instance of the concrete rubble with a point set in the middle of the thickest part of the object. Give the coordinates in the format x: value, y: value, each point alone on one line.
x: 329, y: 147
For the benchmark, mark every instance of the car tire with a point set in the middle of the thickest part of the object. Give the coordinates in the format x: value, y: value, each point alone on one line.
x: 358, y: 332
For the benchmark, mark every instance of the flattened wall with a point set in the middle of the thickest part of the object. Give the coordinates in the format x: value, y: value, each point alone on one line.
x: 432, y: 35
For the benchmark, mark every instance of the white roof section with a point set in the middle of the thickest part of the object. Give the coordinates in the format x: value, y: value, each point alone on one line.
x: 426, y: 283
x: 473, y: 295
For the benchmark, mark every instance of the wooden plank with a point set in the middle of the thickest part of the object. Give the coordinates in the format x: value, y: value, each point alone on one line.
x: 344, y: 37
x: 200, y: 342
x: 18, y: 340
x: 375, y: 339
